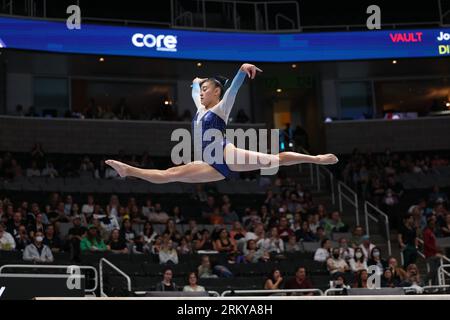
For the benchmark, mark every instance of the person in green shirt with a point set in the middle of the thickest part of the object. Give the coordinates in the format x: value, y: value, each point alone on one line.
x: 92, y: 241
x: 334, y: 224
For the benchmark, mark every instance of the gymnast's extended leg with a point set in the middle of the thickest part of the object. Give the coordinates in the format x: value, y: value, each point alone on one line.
x: 193, y: 172
x: 270, y: 160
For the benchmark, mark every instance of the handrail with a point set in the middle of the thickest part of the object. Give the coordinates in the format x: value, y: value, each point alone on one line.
x: 353, y: 202
x: 333, y: 290
x: 214, y: 293
x: 37, y: 266
x: 367, y: 204
x: 103, y: 260
x: 442, y: 273
x: 332, y: 179
x: 225, y: 293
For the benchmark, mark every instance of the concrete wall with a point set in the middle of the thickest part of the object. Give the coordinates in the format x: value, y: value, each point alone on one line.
x: 377, y: 135
x: 74, y: 136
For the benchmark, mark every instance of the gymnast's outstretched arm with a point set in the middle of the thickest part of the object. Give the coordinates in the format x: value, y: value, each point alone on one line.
x: 230, y: 95
x: 196, y: 92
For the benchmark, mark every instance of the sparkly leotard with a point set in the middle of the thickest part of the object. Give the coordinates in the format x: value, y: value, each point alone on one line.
x: 216, y: 118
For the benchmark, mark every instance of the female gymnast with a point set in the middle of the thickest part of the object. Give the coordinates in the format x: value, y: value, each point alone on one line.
x: 214, y: 105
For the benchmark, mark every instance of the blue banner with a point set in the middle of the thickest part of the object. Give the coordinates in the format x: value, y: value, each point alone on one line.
x: 50, y: 36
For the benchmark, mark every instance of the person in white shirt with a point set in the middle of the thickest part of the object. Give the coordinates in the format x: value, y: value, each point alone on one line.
x: 49, y: 171
x: 274, y: 244
x: 34, y: 170
x: 7, y: 242
x: 168, y: 253
x: 37, y: 251
x: 336, y: 264
x: 159, y: 216
x: 193, y: 286
x: 366, y: 246
x: 359, y: 262
x: 88, y: 208
x: 323, y: 253
x: 347, y: 253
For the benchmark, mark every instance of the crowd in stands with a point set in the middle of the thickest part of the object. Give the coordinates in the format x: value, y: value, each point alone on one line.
x: 122, y: 111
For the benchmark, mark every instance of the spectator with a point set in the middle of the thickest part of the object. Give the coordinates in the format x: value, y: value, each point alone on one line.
x: 345, y: 251
x: 413, y: 278
x: 51, y: 240
x: 366, y: 246
x: 34, y: 170
x: 339, y: 282
x: 126, y: 232
x: 149, y: 234
x: 185, y: 246
x: 205, y: 269
x: 408, y: 240
x: 75, y: 235
x: 159, y: 216
x: 166, y: 284
x: 140, y: 247
x: 300, y: 281
x: 292, y: 245
x: 398, y: 274
x: 336, y: 264
x: 108, y: 222
x: 116, y: 243
x: 193, y: 286
x: 274, y: 281
x: 203, y: 242
x: 445, y: 227
x: 284, y: 231
x: 388, y: 281
x: 88, y: 208
x: 436, y: 196
x: 358, y: 263
x: 361, y: 279
x: 224, y: 243
x: 22, y: 239
x: 37, y: 251
x: 305, y: 234
x: 168, y: 254
x: 323, y: 253
x: 376, y: 260
x: 92, y: 241
x: 334, y: 224
x: 7, y: 242
x: 177, y: 216
x: 229, y: 216
x: 49, y: 170
x: 253, y: 254
x: 274, y: 244
x: 172, y: 231
x: 14, y: 224
x: 432, y: 253
x: 38, y: 155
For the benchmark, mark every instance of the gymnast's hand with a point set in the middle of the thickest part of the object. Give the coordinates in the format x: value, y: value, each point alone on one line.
x: 250, y: 69
x: 199, y: 80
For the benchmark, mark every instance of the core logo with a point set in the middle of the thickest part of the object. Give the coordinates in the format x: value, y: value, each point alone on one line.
x: 443, y: 37
x: 160, y: 42
x: 406, y: 37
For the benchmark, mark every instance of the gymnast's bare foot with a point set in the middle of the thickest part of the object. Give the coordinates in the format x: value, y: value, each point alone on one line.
x: 327, y: 159
x: 121, y: 168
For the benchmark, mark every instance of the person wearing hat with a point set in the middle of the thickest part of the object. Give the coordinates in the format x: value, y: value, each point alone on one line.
x: 92, y: 241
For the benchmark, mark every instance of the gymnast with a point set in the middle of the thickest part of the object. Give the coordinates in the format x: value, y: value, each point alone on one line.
x: 214, y: 105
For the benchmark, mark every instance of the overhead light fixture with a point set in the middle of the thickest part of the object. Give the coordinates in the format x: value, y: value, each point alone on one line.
x: 101, y: 59
x: 294, y: 66
x: 166, y: 103
x: 448, y: 104
x: 199, y: 64
x: 394, y: 61
x: 279, y: 90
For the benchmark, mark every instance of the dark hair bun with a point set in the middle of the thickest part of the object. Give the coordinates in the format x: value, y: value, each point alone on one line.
x: 222, y: 80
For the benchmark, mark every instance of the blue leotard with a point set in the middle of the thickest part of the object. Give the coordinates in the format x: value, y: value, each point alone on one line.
x: 216, y: 118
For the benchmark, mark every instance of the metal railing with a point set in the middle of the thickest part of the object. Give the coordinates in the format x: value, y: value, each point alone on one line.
x: 237, y: 292
x: 66, y: 267
x: 127, y: 278
x: 352, y: 199
x: 384, y: 216
x: 442, y: 272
